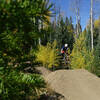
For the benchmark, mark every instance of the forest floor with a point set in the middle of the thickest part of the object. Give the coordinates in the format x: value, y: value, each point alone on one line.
x: 73, y: 84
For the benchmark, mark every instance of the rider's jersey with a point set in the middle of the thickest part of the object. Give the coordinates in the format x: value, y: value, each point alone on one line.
x: 64, y: 49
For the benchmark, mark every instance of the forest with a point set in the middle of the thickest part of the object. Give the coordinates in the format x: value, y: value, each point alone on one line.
x: 32, y: 33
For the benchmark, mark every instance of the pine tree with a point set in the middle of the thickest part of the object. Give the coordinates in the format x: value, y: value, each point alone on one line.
x: 81, y: 57
x: 96, y: 68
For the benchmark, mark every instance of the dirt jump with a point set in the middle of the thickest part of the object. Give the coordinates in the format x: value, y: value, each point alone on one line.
x: 74, y: 84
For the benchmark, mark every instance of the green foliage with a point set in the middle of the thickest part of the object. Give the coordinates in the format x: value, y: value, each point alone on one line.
x: 62, y: 31
x: 19, y: 33
x: 96, y: 52
x: 96, y: 31
x: 48, y: 55
x: 53, y: 56
x: 81, y: 57
x: 20, y: 86
x: 88, y: 39
x: 78, y: 60
x: 96, y: 62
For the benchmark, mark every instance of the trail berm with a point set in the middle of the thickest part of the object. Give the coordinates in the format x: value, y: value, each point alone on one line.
x: 75, y: 84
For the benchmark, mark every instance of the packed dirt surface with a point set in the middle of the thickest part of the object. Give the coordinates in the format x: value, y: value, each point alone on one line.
x: 44, y: 71
x: 75, y: 84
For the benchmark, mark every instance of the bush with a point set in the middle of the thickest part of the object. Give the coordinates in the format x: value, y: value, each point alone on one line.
x: 19, y: 86
x: 48, y: 55
x: 81, y: 57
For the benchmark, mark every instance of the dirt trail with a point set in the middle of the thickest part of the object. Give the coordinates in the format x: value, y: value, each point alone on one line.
x: 74, y: 84
x: 45, y: 72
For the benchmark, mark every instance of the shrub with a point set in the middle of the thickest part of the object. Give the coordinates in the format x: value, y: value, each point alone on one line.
x: 48, y: 55
x: 20, y: 86
x: 80, y: 56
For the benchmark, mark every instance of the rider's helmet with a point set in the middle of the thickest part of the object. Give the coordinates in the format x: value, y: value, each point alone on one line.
x: 66, y: 45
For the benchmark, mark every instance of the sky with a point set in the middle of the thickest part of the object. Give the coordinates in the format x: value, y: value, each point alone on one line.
x: 65, y: 6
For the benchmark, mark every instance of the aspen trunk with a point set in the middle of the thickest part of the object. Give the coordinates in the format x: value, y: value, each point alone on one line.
x: 91, y: 24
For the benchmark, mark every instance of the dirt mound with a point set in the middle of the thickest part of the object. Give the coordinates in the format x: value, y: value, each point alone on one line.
x: 44, y: 71
x: 75, y: 84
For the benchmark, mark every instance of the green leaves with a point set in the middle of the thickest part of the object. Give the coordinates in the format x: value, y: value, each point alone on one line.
x: 62, y: 31
x: 19, y: 33
x: 80, y: 56
x: 48, y: 55
x: 13, y: 83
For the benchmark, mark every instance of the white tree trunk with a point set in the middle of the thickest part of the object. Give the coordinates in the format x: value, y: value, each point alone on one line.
x: 77, y: 33
x: 77, y: 12
x: 91, y: 24
x: 39, y: 41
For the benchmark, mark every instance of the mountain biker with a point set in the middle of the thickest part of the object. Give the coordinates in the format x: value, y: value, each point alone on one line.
x: 64, y: 50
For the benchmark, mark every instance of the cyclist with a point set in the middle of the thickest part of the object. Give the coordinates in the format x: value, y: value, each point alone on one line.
x: 64, y: 50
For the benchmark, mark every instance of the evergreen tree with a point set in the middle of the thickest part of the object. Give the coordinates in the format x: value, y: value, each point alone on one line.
x: 79, y: 29
x: 19, y: 33
x: 96, y: 68
x: 63, y: 32
x: 81, y: 57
